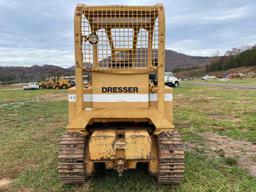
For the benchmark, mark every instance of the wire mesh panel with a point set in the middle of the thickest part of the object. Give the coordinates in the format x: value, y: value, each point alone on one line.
x: 119, y: 37
x: 155, y: 44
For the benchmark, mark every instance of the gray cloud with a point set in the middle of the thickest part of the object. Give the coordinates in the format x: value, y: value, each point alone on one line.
x: 41, y: 32
x: 202, y: 27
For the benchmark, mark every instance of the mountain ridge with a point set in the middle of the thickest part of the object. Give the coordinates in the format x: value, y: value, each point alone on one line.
x: 15, y: 74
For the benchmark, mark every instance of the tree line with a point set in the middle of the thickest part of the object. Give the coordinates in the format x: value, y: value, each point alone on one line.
x: 233, y: 58
x: 10, y: 75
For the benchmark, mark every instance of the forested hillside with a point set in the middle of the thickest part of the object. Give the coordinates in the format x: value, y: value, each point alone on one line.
x: 233, y: 59
x: 34, y: 73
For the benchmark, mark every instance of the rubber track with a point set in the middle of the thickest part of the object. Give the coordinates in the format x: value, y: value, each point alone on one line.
x: 71, y: 159
x: 171, y: 158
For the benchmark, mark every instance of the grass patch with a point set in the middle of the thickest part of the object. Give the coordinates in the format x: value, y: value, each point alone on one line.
x: 227, y: 112
x: 19, y: 95
x: 230, y: 161
x: 244, y: 81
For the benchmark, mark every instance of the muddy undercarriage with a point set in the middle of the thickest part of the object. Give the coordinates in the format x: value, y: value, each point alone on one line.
x: 121, y: 150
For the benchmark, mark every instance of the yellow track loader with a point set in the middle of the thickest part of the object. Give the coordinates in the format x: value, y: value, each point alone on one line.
x: 123, y: 117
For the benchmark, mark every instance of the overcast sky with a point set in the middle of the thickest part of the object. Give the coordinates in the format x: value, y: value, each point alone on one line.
x: 41, y: 31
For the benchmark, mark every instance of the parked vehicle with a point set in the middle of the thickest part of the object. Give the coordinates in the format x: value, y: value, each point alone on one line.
x: 170, y: 80
x: 62, y: 83
x: 31, y: 86
x: 57, y: 83
x: 206, y: 77
x: 47, y: 84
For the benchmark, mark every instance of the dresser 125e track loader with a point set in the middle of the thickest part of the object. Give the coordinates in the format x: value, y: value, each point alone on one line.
x: 122, y: 118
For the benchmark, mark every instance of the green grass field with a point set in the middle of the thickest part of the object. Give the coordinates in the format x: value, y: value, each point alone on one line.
x: 32, y: 123
x: 244, y: 81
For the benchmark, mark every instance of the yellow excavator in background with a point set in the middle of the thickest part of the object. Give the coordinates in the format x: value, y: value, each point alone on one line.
x: 57, y: 83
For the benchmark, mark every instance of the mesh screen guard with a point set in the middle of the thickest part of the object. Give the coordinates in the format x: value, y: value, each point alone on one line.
x: 119, y: 38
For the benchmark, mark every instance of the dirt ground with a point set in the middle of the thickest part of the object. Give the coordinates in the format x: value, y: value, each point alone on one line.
x: 242, y: 152
x: 53, y: 97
